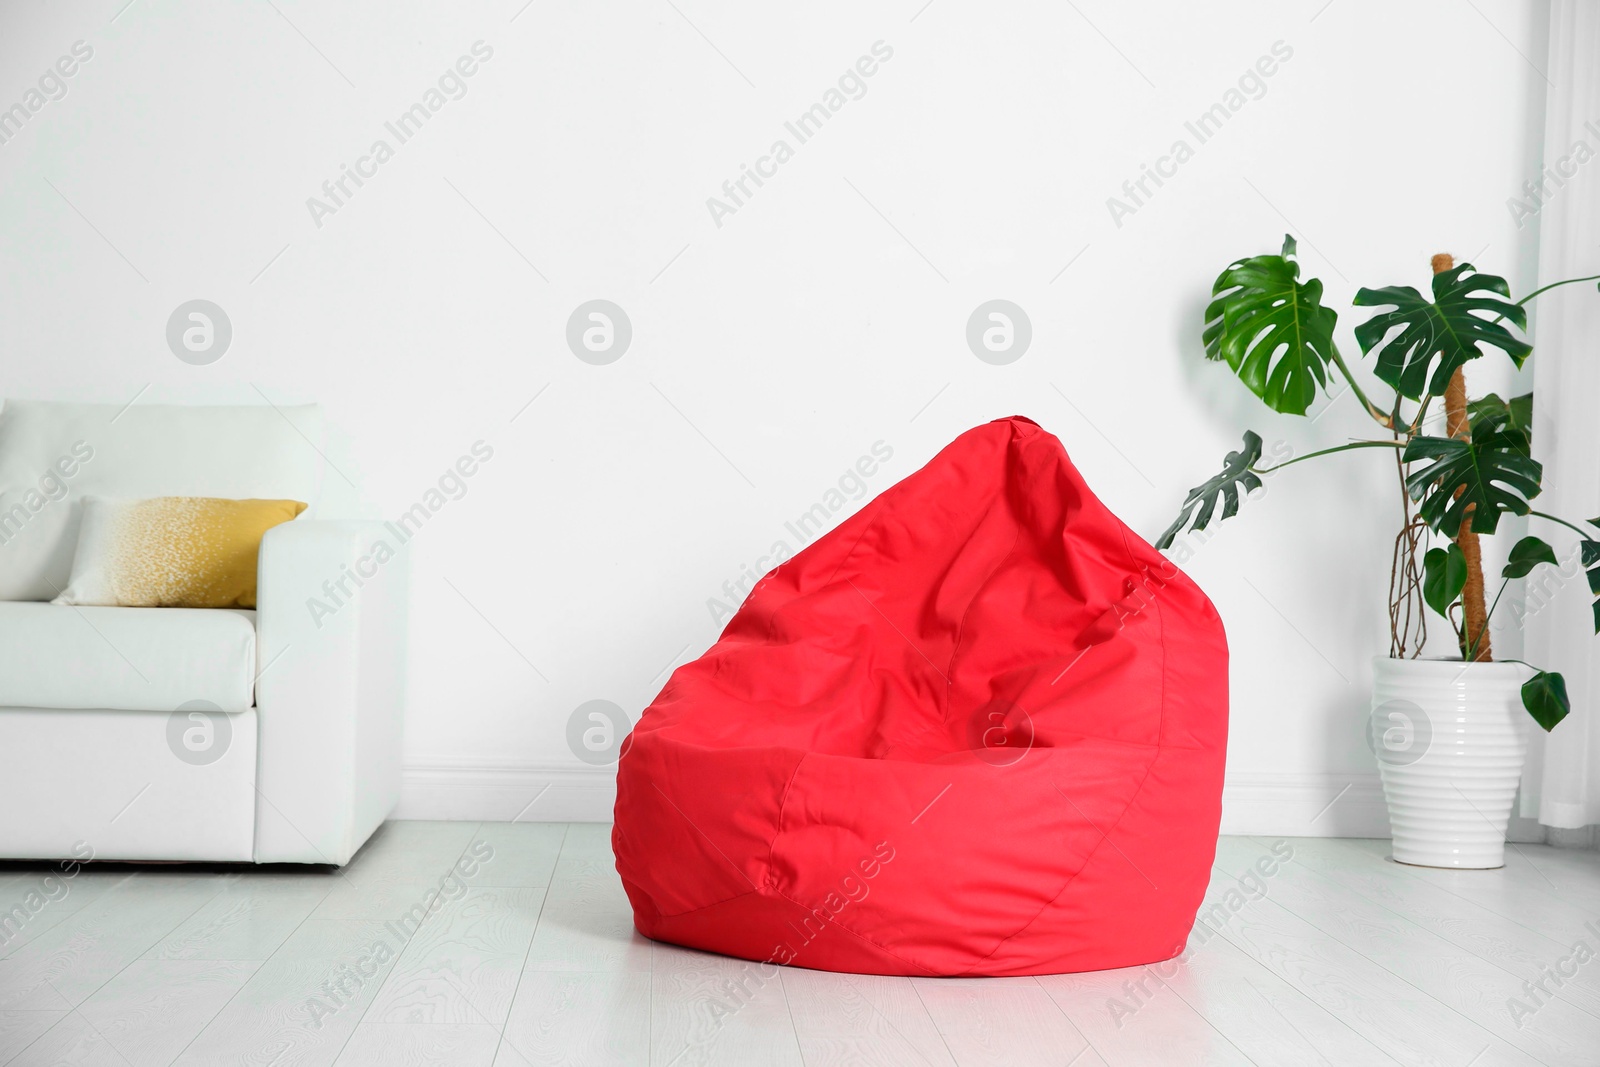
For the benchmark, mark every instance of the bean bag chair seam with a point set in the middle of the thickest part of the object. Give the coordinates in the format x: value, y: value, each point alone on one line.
x: 859, y: 937
x: 912, y: 964
x: 707, y: 907
x: 772, y: 890
x: 772, y: 618
x: 783, y: 807
x: 736, y: 870
x: 1105, y: 836
x: 1161, y: 643
x: 868, y: 528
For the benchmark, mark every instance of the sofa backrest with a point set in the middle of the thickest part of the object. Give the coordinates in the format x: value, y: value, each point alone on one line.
x: 53, y: 455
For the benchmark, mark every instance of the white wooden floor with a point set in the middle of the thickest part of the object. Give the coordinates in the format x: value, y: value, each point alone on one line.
x: 1335, y: 958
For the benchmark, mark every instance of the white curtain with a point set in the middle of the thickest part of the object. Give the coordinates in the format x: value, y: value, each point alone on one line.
x: 1561, y: 787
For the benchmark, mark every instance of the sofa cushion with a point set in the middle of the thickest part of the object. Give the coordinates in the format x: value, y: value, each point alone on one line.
x: 54, y: 455
x: 125, y: 659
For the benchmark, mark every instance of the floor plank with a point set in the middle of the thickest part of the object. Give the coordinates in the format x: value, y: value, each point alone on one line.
x: 301, y: 1006
x: 578, y: 1019
x: 71, y: 960
x: 520, y: 854
x: 71, y: 1041
x: 711, y: 1011
x: 399, y: 871
x: 420, y: 1045
x: 19, y: 1029
x: 1007, y: 1022
x: 1136, y: 1015
x: 462, y: 966
x: 1557, y: 1033
x: 152, y: 1009
x: 587, y: 924
x: 1516, y: 892
x: 513, y: 945
x: 1408, y: 1024
x: 33, y: 905
x: 411, y: 849
x: 1264, y: 1016
x: 248, y: 919
x: 844, y: 1019
x: 1515, y: 948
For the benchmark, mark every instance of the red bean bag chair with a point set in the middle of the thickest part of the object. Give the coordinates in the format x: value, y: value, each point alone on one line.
x: 977, y: 729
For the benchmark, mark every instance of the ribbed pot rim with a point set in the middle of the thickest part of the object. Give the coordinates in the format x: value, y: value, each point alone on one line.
x: 1448, y: 670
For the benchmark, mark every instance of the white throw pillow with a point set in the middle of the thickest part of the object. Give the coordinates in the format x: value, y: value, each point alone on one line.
x: 54, y: 455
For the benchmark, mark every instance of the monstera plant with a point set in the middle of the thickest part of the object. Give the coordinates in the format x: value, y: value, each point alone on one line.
x: 1463, y: 464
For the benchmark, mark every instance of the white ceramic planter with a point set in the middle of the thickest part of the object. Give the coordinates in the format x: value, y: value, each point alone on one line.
x: 1450, y: 739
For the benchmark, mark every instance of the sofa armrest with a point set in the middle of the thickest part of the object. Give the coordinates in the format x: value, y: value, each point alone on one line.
x: 331, y: 648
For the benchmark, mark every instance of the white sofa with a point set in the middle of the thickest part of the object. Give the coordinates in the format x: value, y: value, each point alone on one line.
x: 260, y: 736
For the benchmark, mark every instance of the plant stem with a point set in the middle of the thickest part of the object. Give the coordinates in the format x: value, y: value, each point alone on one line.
x: 1328, y: 451
x: 1547, y: 288
x: 1585, y: 534
x: 1525, y: 663
x: 1555, y: 285
x: 1422, y: 414
x: 1372, y: 409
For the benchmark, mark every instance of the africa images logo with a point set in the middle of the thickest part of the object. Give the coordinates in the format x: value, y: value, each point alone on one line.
x: 52, y: 86
x: 804, y: 528
x: 1251, y: 85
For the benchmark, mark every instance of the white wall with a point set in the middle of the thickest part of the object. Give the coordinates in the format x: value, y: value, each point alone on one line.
x: 769, y: 353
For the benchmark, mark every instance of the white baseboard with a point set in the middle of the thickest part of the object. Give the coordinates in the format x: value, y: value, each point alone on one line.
x: 1304, y: 805
x: 1281, y: 804
x: 502, y: 791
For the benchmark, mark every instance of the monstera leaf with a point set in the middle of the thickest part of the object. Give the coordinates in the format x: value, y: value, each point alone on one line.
x: 1514, y: 416
x: 1527, y: 554
x: 1591, y: 559
x: 1441, y: 335
x: 1491, y: 474
x: 1201, y: 503
x: 1444, y: 575
x: 1545, y: 697
x: 1272, y: 329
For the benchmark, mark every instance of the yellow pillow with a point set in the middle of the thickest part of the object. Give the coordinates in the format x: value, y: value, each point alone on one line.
x: 172, y: 551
